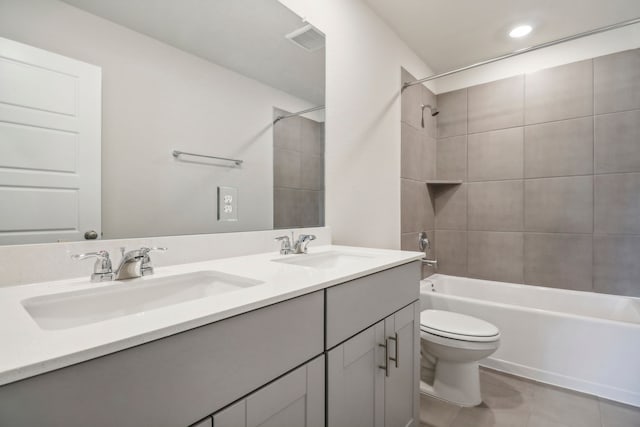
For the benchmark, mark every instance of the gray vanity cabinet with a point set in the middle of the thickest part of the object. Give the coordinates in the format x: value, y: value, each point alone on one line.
x: 176, y: 380
x: 366, y: 387
x: 372, y: 374
x: 295, y: 400
x: 263, y: 368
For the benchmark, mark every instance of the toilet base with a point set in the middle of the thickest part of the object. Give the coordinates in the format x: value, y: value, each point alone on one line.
x: 457, y: 383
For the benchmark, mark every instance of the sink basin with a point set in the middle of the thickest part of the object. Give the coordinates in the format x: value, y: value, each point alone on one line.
x: 71, y: 309
x: 326, y: 260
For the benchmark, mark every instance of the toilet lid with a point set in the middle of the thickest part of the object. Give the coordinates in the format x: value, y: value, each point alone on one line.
x: 456, y: 325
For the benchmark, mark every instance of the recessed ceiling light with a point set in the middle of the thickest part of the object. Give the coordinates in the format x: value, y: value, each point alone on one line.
x: 520, y: 31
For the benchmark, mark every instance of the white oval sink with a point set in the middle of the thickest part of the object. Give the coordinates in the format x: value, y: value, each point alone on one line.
x: 71, y: 309
x: 326, y: 260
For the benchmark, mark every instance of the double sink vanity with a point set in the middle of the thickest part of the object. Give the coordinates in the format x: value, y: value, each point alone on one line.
x: 325, y: 338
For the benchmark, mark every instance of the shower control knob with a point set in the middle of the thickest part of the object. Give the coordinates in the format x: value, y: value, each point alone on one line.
x: 423, y: 241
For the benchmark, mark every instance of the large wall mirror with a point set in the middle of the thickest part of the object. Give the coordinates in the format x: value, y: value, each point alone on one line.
x: 143, y: 118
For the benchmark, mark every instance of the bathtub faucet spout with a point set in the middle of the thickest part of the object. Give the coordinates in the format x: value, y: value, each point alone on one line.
x: 431, y: 262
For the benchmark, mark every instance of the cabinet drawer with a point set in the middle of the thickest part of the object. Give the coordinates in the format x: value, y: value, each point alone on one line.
x: 358, y: 304
x: 174, y: 381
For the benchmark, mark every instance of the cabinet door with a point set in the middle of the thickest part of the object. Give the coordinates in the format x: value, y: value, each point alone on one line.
x: 402, y: 400
x: 295, y: 400
x: 355, y: 380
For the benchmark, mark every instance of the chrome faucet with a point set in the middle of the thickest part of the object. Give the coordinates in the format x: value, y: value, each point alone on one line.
x: 285, y: 245
x: 299, y: 246
x: 102, y: 271
x: 136, y: 263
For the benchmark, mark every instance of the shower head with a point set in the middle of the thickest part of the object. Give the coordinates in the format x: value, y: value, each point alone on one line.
x: 434, y: 112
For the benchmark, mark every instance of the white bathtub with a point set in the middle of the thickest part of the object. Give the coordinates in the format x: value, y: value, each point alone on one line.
x: 579, y: 340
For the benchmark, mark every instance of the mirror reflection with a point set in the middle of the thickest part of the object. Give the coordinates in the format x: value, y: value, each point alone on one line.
x: 128, y: 119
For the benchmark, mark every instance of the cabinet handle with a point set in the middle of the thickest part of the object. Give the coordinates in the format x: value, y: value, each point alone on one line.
x: 395, y: 342
x: 385, y: 367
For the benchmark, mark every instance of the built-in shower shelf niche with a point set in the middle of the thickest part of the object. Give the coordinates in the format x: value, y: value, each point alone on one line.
x: 444, y: 182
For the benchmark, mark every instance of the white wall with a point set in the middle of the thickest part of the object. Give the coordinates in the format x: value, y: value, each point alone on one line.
x: 585, y: 48
x: 362, y: 160
x: 155, y: 99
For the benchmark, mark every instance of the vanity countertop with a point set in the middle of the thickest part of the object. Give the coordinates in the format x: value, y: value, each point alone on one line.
x: 28, y: 350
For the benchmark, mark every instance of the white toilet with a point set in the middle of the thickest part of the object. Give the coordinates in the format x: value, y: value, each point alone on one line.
x: 452, y: 344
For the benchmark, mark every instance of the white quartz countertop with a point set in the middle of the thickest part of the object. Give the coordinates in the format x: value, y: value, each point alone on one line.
x: 27, y: 350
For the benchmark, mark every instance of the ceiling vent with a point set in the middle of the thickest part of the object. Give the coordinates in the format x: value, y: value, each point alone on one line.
x: 307, y: 37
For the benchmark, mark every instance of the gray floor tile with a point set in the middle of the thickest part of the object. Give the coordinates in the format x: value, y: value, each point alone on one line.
x: 508, y: 388
x: 618, y: 415
x: 565, y: 407
x: 436, y: 413
x: 485, y: 416
x: 537, y: 420
x: 511, y: 401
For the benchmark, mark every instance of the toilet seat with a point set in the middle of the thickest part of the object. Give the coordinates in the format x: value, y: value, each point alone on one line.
x: 457, y: 326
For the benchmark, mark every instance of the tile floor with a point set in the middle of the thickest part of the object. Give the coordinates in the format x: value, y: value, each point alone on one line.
x: 510, y: 401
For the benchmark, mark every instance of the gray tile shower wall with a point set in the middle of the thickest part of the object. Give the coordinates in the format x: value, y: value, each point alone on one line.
x: 418, y: 165
x: 298, y: 172
x: 550, y: 164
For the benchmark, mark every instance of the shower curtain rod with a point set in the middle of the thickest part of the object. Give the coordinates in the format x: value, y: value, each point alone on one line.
x: 524, y: 50
x: 308, y: 110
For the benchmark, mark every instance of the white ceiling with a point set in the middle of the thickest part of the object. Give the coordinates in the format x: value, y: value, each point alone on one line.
x: 246, y: 36
x: 453, y: 33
